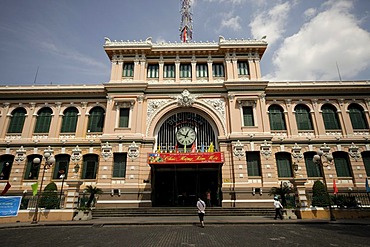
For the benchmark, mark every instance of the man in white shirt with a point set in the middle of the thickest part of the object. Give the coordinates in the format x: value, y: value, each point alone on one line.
x: 278, y: 207
x: 201, y: 210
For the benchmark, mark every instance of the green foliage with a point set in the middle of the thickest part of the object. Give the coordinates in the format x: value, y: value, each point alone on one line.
x: 49, y: 198
x: 319, y: 195
x: 343, y: 201
x: 282, y: 192
x: 92, y: 191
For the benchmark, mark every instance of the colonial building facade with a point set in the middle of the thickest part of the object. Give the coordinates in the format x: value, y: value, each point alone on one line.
x: 179, y: 119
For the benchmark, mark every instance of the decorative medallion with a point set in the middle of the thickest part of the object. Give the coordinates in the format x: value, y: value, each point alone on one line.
x: 76, y: 154
x: 296, y: 152
x: 106, y: 151
x: 133, y: 151
x: 353, y: 152
x: 239, y: 150
x: 185, y: 99
x: 266, y: 150
x: 20, y: 155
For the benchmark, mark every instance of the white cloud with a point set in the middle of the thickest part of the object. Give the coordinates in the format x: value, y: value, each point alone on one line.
x: 271, y: 23
x: 233, y: 2
x: 231, y: 22
x: 310, y: 12
x: 333, y: 35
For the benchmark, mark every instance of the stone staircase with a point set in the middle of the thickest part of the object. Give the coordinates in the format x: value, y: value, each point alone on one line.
x: 180, y: 211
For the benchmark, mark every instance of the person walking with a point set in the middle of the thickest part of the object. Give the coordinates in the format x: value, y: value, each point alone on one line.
x: 278, y: 207
x: 201, y: 210
x: 208, y: 197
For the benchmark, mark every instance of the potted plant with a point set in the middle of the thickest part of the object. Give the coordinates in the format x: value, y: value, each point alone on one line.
x: 84, y: 211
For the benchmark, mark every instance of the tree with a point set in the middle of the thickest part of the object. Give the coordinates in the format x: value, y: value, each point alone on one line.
x: 319, y: 195
x: 92, y: 191
x: 281, y: 191
x: 49, y: 199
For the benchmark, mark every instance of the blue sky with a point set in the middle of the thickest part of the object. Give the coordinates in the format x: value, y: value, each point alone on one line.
x: 64, y: 39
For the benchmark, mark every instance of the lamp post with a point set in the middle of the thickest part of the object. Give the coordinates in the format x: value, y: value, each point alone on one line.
x: 49, y: 161
x: 61, y: 190
x: 317, y: 159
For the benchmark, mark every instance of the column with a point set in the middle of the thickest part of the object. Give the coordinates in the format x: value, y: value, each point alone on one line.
x: 73, y: 194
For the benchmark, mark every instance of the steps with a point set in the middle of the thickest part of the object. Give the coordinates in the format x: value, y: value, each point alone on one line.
x: 180, y: 211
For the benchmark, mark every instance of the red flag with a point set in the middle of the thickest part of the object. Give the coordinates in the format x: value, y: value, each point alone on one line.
x: 7, y: 187
x: 335, y: 187
x: 193, y: 148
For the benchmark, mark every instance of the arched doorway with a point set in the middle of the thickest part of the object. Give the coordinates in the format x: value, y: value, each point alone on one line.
x: 186, y: 163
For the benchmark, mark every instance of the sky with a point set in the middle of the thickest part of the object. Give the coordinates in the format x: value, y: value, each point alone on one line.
x: 61, y: 42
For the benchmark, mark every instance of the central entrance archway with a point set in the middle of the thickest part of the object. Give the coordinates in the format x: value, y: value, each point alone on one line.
x: 179, y: 185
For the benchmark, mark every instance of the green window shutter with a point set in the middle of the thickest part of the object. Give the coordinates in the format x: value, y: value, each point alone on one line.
x: 61, y: 166
x: 342, y: 164
x: 124, y: 114
x: 366, y: 159
x: 284, y: 165
x: 128, y: 70
x: 313, y: 170
x: 119, y: 165
x: 218, y: 70
x: 90, y: 165
x: 153, y: 71
x: 330, y: 117
x: 169, y: 71
x: 17, y: 120
x: 96, y: 119
x: 248, y: 116
x: 69, y: 121
x: 32, y: 170
x: 303, y: 118
x: 202, y: 70
x: 43, y: 120
x: 253, y: 163
x: 242, y: 68
x: 358, y: 117
x: 276, y: 116
x: 185, y: 71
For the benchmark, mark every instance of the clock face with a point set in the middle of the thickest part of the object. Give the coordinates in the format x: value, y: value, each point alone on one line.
x: 186, y: 135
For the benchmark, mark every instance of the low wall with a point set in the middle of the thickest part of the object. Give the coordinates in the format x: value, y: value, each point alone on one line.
x: 324, y: 213
x: 43, y: 215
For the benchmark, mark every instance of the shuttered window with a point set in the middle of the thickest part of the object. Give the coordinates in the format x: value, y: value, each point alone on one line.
x: 90, y: 166
x: 277, y: 119
x: 119, y: 165
x: 284, y: 164
x: 69, y: 121
x: 330, y: 117
x: 248, y: 116
x: 61, y: 165
x: 303, y: 117
x: 366, y: 159
x: 253, y: 163
x: 43, y: 120
x: 17, y: 119
x: 218, y: 70
x: 96, y: 119
x: 358, y: 117
x: 128, y: 70
x: 313, y: 170
x: 153, y: 71
x: 185, y: 71
x: 124, y: 117
x: 342, y: 164
x: 202, y: 70
x: 243, y: 68
x: 169, y: 71
x: 32, y: 169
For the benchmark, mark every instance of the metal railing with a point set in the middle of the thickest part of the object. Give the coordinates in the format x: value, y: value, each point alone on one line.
x: 346, y: 200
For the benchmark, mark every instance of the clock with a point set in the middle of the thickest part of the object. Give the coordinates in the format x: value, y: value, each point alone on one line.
x: 186, y: 135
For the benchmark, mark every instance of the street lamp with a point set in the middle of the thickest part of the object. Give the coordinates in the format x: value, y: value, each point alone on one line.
x: 61, y: 190
x: 317, y: 159
x: 49, y: 161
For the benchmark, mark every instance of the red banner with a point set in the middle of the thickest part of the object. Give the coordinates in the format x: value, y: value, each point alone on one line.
x: 188, y: 158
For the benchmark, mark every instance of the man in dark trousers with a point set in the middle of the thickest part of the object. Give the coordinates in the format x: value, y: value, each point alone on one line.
x: 278, y: 207
x: 201, y: 210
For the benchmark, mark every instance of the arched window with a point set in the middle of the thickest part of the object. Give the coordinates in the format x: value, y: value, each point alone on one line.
x: 313, y: 170
x: 43, y: 120
x: 61, y: 165
x: 330, y: 117
x: 303, y: 117
x: 366, y: 159
x: 90, y: 166
x: 357, y: 116
x: 277, y: 119
x: 6, y: 162
x: 284, y: 164
x: 69, y: 121
x: 17, y: 120
x: 32, y: 169
x: 342, y: 164
x: 96, y: 119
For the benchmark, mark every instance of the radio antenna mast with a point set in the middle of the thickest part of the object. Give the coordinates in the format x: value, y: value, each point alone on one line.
x: 186, y: 28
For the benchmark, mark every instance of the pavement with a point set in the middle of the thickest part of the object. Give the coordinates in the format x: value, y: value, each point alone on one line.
x: 183, y: 220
